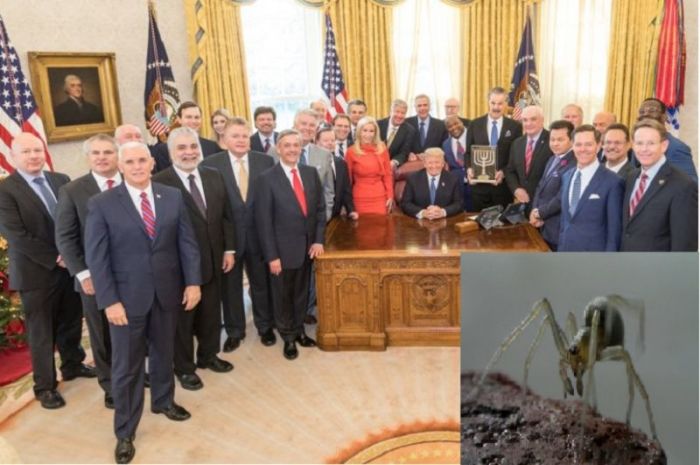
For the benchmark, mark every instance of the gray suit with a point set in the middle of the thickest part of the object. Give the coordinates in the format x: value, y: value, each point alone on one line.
x: 321, y: 159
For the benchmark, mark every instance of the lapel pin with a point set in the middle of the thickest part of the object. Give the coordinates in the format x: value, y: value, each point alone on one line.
x: 662, y: 182
x: 157, y: 196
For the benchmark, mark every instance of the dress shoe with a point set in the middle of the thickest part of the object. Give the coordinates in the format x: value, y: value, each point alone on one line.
x: 215, y: 364
x: 173, y: 412
x: 125, y: 450
x: 310, y: 320
x: 190, y: 381
x: 109, y: 401
x: 50, y: 399
x: 147, y: 380
x: 305, y: 341
x: 232, y: 344
x: 83, y: 371
x: 268, y: 338
x: 290, y: 350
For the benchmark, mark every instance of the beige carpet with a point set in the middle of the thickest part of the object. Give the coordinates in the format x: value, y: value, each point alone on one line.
x: 268, y: 410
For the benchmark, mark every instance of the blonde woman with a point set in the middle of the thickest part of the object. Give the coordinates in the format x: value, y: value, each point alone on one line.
x: 370, y: 170
x: 218, y: 121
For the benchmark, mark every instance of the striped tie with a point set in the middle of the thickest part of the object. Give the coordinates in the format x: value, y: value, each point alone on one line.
x: 639, y: 193
x: 149, y: 219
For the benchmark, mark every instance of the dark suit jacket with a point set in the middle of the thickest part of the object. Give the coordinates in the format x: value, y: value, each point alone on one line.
x: 547, y: 199
x: 666, y: 218
x: 243, y: 212
x: 448, y: 195
x: 451, y: 159
x: 214, y: 232
x: 126, y: 265
x: 626, y: 170
x: 596, y: 224
x: 30, y: 231
x: 435, y: 136
x: 515, y: 170
x: 479, y: 134
x: 403, y: 141
x: 68, y: 113
x: 343, y: 190
x: 256, y: 145
x: 679, y: 155
x: 159, y: 151
x: 285, y: 232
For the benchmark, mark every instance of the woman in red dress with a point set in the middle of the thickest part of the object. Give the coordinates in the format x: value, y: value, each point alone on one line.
x: 370, y: 170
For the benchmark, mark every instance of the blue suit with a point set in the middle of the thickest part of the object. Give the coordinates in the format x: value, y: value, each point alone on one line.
x: 459, y: 170
x: 596, y: 225
x: 148, y: 277
x: 547, y: 199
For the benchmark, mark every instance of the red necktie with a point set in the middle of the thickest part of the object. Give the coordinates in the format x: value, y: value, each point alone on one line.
x: 637, y: 197
x: 299, y: 191
x: 460, y: 154
x: 528, y: 155
x: 149, y: 219
x: 110, y: 183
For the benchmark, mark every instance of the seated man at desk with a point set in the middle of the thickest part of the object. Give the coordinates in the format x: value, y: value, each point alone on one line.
x: 432, y: 193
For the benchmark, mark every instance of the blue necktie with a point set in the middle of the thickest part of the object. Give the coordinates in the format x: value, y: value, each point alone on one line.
x: 575, y: 193
x: 422, y: 134
x: 550, y: 166
x: 494, y: 134
x: 302, y: 158
x: 49, y: 199
x: 433, y: 188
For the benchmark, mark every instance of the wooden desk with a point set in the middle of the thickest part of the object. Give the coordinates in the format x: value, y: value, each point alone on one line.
x: 395, y: 280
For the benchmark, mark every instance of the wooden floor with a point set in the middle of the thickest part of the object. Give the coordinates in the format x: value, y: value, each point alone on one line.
x: 268, y: 410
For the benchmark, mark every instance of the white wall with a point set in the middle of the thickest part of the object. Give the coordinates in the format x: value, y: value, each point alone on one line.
x: 117, y: 26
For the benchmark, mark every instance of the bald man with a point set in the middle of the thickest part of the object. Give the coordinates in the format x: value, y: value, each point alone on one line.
x: 51, y: 307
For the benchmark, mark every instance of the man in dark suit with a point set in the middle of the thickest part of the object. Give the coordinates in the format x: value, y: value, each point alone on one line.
x: 430, y: 132
x: 291, y: 217
x: 325, y: 138
x: 145, y: 265
x: 343, y: 136
x: 357, y: 109
x: 75, y: 109
x: 188, y: 115
x: 51, y: 307
x: 660, y: 208
x: 616, y: 146
x: 455, y: 148
x: 678, y: 152
x: 241, y: 168
x: 452, y: 108
x: 265, y: 138
x: 432, y: 193
x: 209, y: 209
x: 399, y: 137
x: 492, y: 129
x: 101, y: 153
x: 529, y: 155
x: 591, y: 200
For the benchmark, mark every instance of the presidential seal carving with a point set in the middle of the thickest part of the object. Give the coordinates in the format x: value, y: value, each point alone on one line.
x: 430, y: 293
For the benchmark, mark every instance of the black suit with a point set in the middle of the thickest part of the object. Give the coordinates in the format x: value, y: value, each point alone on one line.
x: 286, y: 234
x: 256, y: 144
x: 515, y: 170
x: 343, y: 189
x: 70, y: 240
x: 448, y: 193
x: 626, y: 169
x: 666, y: 218
x: 69, y: 112
x: 51, y: 306
x: 215, y: 234
x: 435, y: 136
x: 159, y: 152
x: 487, y: 195
x: 248, y: 252
x: 403, y: 141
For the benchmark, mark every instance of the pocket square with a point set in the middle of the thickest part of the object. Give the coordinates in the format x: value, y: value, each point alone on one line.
x: 594, y: 197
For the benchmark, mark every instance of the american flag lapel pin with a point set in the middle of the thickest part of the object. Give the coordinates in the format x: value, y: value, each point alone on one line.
x: 662, y: 182
x: 157, y: 196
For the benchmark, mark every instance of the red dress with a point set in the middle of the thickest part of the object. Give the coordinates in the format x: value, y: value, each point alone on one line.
x: 371, y: 178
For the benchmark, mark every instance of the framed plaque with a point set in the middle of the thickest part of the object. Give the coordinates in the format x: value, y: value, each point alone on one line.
x: 484, y: 160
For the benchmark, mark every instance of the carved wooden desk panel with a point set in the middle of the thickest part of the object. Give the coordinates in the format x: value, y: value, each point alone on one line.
x: 395, y: 280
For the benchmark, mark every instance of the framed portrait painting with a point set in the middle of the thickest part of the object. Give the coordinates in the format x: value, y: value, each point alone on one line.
x: 76, y: 93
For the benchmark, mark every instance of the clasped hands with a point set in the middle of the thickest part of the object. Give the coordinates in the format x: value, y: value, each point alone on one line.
x: 116, y: 313
x: 432, y: 212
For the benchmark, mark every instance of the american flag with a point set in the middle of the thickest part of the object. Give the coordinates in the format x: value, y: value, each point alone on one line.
x: 670, y: 68
x: 18, y: 112
x: 525, y: 86
x: 333, y: 84
x: 161, y: 97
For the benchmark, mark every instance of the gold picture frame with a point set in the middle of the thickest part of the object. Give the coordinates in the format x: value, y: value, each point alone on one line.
x: 76, y: 93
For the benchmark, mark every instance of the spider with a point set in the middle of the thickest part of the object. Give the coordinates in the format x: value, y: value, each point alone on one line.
x: 600, y: 339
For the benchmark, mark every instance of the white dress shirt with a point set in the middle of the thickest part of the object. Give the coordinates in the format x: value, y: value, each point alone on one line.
x: 135, y: 195
x: 184, y: 177
x: 235, y: 166
x: 419, y: 215
x: 499, y: 126
x: 651, y: 174
x: 288, y: 173
x: 616, y: 168
x: 586, y: 176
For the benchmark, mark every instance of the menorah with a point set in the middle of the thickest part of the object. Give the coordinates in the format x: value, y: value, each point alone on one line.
x: 485, y: 158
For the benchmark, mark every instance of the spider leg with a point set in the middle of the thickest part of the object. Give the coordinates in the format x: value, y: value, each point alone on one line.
x: 568, y: 387
x: 533, y: 347
x: 571, y: 326
x: 619, y: 353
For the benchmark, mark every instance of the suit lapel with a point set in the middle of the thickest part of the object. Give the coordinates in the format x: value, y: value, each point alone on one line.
x: 189, y: 200
x: 590, y: 188
x: 130, y: 208
x: 89, y: 185
x: 160, y: 208
x: 287, y: 186
x: 657, y: 184
x: 30, y: 194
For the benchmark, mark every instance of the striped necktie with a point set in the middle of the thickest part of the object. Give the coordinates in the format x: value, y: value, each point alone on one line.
x: 149, y: 218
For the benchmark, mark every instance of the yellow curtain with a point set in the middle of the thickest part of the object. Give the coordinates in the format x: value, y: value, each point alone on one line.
x: 218, y: 60
x: 490, y: 31
x: 632, y: 56
x: 363, y: 41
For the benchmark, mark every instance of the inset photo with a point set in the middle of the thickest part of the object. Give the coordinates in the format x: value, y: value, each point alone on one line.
x: 572, y: 358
